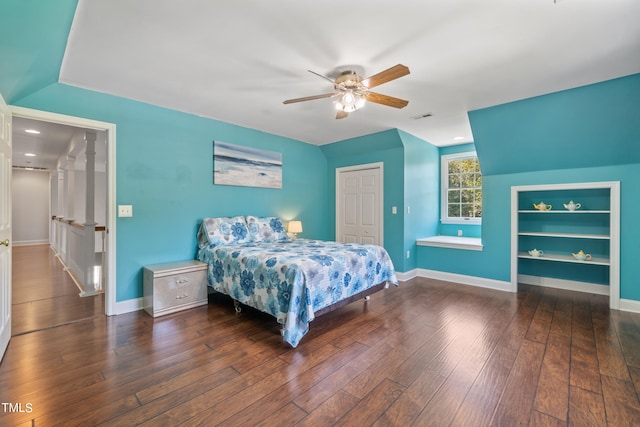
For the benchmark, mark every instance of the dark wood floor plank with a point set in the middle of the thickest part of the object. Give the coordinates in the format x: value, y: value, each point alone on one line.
x: 333, y: 383
x: 586, y: 408
x: 480, y: 401
x: 427, y: 353
x: 620, y: 401
x: 174, y: 398
x: 541, y: 323
x: 562, y: 314
x: 330, y: 411
x: 408, y: 406
x: 516, y: 402
x: 628, y: 333
x: 372, y: 406
x: 287, y: 416
x: 610, y: 355
x: 552, y: 395
x: 191, y: 408
x: 230, y: 407
x: 538, y: 419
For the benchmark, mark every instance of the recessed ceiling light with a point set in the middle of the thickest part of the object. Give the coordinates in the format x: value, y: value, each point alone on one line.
x: 33, y: 131
x: 458, y: 138
x: 29, y: 154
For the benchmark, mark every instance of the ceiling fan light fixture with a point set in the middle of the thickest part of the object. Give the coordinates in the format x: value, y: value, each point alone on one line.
x: 350, y: 102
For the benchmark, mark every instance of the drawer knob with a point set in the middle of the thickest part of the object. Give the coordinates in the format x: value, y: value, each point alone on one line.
x: 181, y: 281
x: 182, y: 296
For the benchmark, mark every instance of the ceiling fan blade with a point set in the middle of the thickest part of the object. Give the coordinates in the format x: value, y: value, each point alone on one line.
x: 341, y: 114
x: 323, y: 76
x: 309, y: 98
x: 385, y: 76
x: 389, y: 101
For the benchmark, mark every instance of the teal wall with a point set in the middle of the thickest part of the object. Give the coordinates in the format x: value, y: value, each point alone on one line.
x: 33, y: 36
x: 385, y: 147
x: 590, y: 126
x: 164, y: 168
x: 535, y: 134
x: 422, y: 195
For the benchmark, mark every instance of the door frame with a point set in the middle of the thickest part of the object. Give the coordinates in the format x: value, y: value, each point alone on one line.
x: 110, y: 129
x: 355, y: 168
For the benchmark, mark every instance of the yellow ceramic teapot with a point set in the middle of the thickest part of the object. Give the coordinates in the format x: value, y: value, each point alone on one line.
x: 581, y: 256
x: 542, y: 206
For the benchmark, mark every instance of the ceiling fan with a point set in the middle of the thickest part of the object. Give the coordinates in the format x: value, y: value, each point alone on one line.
x: 352, y: 91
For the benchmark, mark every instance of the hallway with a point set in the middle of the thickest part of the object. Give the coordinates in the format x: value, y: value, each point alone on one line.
x: 44, y: 295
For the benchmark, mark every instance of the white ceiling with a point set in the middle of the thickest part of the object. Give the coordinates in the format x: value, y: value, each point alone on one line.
x: 53, y: 146
x: 51, y: 143
x: 236, y: 61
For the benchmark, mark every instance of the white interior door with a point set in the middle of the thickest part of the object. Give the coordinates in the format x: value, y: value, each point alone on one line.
x: 359, y: 204
x: 5, y: 226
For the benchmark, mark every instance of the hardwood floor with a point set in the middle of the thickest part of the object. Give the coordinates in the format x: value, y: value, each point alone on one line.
x: 426, y: 353
x: 43, y: 294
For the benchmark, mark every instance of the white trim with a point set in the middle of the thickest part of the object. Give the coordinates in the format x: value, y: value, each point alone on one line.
x: 453, y: 242
x: 366, y: 166
x: 480, y: 282
x: 128, y: 306
x: 405, y: 277
x: 569, y: 285
x: 110, y: 128
x: 614, y: 229
x: 630, y: 305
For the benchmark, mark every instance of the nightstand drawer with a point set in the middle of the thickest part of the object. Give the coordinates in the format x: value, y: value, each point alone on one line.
x: 179, y: 289
x: 175, y: 286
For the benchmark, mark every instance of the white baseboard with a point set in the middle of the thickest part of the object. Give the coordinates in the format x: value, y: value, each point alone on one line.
x: 129, y: 305
x: 630, y: 305
x: 625, y: 304
x: 569, y: 285
x: 403, y: 277
x: 481, y: 282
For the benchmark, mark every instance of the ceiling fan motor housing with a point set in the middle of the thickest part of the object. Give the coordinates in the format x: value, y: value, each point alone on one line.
x: 349, y: 80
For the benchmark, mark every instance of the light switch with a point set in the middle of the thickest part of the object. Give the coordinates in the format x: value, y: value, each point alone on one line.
x: 125, y: 210
x: 394, y: 210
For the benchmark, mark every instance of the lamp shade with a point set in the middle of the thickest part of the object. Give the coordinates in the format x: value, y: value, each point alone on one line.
x: 295, y: 227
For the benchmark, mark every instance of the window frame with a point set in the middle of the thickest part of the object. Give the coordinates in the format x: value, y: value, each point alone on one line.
x: 444, y: 189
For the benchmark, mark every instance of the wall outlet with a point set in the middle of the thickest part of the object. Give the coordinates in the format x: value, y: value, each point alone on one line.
x: 394, y: 210
x: 125, y: 210
x: 459, y: 233
x: 408, y: 254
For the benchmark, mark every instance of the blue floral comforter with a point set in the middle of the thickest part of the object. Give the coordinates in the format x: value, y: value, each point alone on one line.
x: 292, y: 279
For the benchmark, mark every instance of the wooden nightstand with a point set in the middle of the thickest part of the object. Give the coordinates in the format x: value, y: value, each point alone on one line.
x: 174, y: 286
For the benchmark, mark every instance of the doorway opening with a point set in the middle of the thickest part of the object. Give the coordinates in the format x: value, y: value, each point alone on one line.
x: 80, y: 228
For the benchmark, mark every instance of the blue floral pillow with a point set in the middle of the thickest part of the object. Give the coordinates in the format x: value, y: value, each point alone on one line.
x: 266, y: 229
x: 225, y: 231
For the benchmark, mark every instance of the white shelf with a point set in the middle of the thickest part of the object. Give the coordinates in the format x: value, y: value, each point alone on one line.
x: 564, y: 258
x: 564, y: 235
x: 558, y: 211
x: 557, y: 229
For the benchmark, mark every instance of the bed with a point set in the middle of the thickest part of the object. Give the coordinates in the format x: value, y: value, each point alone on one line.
x: 252, y: 260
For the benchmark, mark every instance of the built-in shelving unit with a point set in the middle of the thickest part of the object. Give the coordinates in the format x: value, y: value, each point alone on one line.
x: 559, y: 233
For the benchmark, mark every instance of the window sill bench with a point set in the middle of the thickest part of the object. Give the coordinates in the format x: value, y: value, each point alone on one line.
x: 466, y: 243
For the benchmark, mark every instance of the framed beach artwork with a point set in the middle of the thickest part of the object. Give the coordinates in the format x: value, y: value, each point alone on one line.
x: 245, y: 166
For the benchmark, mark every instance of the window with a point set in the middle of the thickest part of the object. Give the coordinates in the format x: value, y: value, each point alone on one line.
x: 461, y: 183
